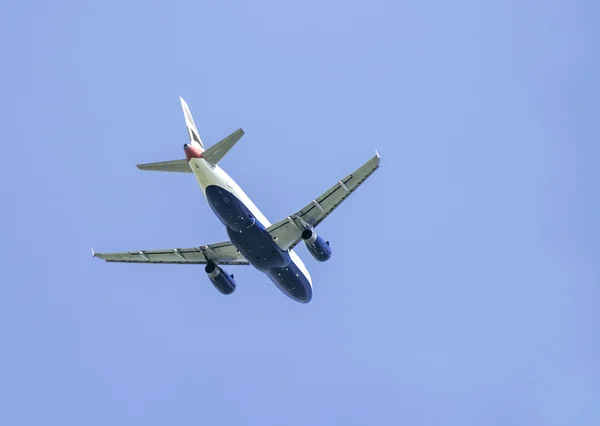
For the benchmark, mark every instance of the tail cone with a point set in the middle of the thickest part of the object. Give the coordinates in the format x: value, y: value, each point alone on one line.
x: 191, y: 151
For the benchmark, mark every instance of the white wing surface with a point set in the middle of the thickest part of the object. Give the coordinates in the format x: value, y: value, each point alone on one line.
x: 222, y: 253
x: 287, y: 232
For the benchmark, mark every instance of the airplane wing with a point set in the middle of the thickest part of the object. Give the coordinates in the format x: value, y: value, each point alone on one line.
x: 287, y: 232
x: 222, y: 254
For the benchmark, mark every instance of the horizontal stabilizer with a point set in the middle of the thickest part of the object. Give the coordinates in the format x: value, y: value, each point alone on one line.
x: 215, y: 153
x: 177, y: 166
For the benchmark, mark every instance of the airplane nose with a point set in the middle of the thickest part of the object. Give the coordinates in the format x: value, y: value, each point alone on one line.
x: 185, y: 146
x: 302, y: 294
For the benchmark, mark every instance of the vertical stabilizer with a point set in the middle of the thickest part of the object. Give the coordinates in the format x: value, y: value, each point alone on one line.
x: 191, y: 126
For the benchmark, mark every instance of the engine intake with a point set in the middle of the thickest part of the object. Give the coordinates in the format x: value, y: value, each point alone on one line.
x: 220, y: 279
x: 317, y: 246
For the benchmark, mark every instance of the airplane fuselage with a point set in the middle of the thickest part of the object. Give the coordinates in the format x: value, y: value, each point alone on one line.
x: 246, y: 228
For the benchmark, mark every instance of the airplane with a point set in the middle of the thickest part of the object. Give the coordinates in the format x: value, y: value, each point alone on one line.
x: 253, y: 240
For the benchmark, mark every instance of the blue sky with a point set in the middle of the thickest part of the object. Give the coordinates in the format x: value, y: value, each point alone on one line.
x: 464, y: 283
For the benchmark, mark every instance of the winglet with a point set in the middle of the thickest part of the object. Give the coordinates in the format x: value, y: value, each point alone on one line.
x: 377, y: 156
x: 93, y: 253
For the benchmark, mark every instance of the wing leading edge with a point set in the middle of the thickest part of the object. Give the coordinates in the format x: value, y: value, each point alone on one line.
x: 222, y: 254
x: 288, y: 232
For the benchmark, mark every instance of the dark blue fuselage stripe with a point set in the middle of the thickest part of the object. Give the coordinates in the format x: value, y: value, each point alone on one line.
x: 253, y: 241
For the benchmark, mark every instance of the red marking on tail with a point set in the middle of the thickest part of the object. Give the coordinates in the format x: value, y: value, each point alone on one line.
x: 192, y: 152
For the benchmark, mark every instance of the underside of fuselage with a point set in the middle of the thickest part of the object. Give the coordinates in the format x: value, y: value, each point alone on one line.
x: 253, y: 241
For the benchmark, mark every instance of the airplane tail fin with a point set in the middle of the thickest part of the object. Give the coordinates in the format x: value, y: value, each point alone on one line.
x: 191, y: 126
x: 215, y: 153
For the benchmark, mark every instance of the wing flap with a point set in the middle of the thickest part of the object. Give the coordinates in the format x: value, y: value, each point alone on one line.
x: 287, y: 232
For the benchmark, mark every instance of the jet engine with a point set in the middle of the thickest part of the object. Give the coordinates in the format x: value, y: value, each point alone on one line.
x: 317, y: 246
x: 220, y: 279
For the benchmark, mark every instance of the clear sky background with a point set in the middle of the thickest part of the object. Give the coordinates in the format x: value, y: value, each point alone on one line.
x: 464, y: 285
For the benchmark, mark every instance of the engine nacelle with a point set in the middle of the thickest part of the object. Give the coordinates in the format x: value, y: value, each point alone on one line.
x: 317, y: 246
x: 220, y: 279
